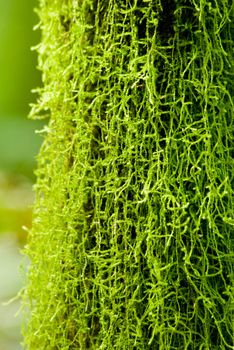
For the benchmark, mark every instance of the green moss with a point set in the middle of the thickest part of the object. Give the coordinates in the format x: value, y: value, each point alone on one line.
x: 132, y: 242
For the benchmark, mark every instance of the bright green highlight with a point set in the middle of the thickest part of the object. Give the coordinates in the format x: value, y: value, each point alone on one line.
x: 132, y: 243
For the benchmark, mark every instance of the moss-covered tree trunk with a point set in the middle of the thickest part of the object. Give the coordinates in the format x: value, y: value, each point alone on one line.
x: 132, y: 241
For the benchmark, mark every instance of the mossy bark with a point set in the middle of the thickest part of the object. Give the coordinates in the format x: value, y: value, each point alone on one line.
x: 132, y: 241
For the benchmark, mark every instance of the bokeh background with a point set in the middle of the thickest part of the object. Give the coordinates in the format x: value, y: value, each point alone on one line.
x: 19, y: 145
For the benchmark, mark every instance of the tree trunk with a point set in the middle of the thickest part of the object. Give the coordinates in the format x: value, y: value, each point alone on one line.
x: 132, y: 240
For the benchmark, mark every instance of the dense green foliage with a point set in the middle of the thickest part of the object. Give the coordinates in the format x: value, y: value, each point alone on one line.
x: 132, y: 244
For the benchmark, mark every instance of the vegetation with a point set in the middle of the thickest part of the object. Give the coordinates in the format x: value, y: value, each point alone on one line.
x: 132, y: 241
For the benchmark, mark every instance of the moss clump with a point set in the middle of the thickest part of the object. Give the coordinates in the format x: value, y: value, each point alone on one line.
x: 132, y: 241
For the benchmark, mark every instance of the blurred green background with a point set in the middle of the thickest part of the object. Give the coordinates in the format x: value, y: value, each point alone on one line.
x: 19, y: 76
x: 19, y: 145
